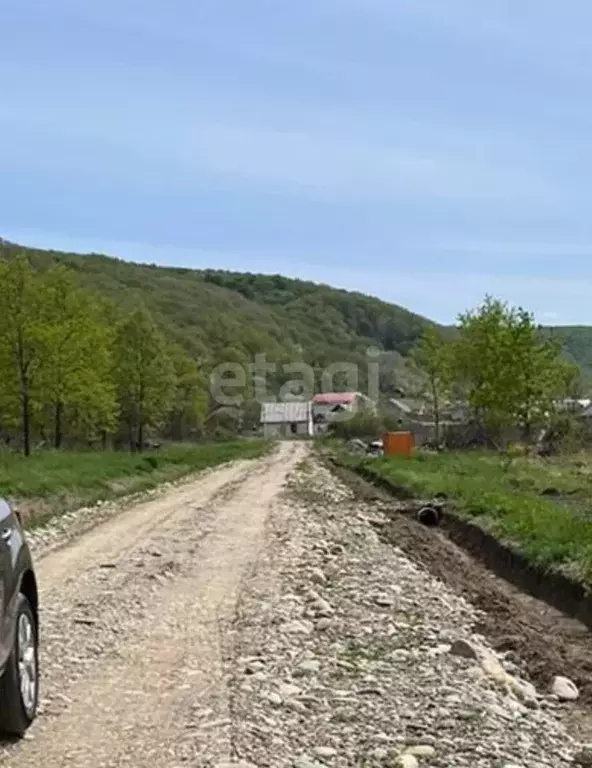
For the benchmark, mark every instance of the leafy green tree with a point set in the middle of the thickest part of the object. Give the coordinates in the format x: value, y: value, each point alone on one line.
x: 512, y: 374
x: 190, y: 404
x: 75, y: 371
x: 433, y: 356
x: 20, y: 342
x: 251, y: 415
x: 145, y: 375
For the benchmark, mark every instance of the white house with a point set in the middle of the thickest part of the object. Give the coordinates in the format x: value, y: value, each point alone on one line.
x: 286, y: 420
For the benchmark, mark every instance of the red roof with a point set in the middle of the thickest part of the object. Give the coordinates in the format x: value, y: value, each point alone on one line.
x: 335, y: 398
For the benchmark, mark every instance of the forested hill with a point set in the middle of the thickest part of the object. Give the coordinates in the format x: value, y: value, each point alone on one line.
x: 222, y: 316
x: 219, y: 316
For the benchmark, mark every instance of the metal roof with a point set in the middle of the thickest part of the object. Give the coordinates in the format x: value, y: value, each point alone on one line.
x: 273, y: 413
x: 334, y: 398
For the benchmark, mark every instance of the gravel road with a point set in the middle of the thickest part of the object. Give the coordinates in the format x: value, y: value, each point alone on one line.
x: 253, y: 617
x: 133, y: 613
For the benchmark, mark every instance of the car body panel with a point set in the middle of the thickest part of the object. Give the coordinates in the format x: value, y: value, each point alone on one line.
x: 15, y: 562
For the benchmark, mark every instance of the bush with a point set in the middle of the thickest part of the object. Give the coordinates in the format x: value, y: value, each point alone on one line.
x: 566, y: 434
x: 362, y: 425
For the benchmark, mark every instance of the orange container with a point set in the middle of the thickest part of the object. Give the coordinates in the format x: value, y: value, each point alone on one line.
x: 398, y: 443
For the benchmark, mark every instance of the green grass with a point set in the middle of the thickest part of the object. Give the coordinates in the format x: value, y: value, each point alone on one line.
x: 505, y: 499
x: 54, y: 481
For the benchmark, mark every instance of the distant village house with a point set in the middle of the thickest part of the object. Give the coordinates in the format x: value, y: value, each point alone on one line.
x: 286, y: 420
x: 328, y: 406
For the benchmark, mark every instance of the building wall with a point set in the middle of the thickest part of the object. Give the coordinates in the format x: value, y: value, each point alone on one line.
x: 272, y: 431
x: 277, y: 430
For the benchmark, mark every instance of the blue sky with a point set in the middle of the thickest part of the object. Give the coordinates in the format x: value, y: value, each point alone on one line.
x: 425, y: 151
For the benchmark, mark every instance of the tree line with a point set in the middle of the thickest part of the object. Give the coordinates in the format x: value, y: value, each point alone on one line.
x: 73, y: 366
x: 501, y: 365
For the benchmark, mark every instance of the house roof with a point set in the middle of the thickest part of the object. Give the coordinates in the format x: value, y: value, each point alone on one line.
x: 335, y: 398
x: 290, y: 413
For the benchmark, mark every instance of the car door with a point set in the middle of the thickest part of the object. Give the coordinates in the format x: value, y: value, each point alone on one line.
x: 6, y: 578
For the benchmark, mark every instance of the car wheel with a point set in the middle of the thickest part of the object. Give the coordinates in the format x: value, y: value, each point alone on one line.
x: 19, y: 687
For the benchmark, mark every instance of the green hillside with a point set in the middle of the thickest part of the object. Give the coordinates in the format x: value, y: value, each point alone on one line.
x: 222, y: 316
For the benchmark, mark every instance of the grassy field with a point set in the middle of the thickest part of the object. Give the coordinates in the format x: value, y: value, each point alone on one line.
x: 541, y: 507
x: 56, y: 481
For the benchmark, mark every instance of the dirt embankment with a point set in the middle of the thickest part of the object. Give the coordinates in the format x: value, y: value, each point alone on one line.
x: 546, y: 640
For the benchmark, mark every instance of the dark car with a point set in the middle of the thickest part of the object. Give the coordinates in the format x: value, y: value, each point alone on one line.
x: 19, y: 628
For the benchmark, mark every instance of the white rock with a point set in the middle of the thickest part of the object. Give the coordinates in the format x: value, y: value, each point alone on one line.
x: 295, y: 705
x: 407, y: 761
x: 304, y: 761
x: 421, y: 750
x: 322, y: 607
x: 255, y: 666
x: 384, y: 600
x: 287, y: 690
x: 325, y: 752
x: 317, y: 576
x: 302, y: 627
x: 323, y: 624
x: 493, y: 669
x: 565, y: 689
x: 240, y: 764
x: 524, y: 690
x: 308, y: 667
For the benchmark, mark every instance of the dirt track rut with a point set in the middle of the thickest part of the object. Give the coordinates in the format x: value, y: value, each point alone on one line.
x: 132, y: 617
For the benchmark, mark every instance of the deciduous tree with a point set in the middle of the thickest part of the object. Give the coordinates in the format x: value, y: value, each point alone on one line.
x: 145, y: 375
x: 190, y: 403
x: 512, y: 374
x: 433, y: 356
x: 20, y: 342
x: 76, y: 366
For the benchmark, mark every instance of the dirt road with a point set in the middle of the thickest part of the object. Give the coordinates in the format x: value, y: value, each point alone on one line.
x: 132, y: 616
x: 255, y: 617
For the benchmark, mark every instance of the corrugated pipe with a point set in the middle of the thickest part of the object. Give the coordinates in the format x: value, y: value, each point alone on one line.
x: 429, y: 516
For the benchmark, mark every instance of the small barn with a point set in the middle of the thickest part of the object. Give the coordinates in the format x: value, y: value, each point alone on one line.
x: 286, y: 420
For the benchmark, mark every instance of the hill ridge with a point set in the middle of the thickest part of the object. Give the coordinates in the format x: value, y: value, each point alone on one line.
x: 219, y: 315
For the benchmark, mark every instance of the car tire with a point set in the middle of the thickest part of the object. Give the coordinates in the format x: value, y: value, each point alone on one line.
x: 19, y: 687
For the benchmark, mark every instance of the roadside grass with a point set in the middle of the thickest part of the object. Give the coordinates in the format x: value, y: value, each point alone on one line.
x: 52, y: 482
x: 541, y: 507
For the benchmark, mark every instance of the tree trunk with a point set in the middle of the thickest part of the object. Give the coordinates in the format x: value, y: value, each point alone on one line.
x: 57, y: 438
x: 104, y: 439
x: 26, y: 422
x: 436, y: 412
x: 141, y: 437
x: 25, y: 398
x: 130, y: 433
